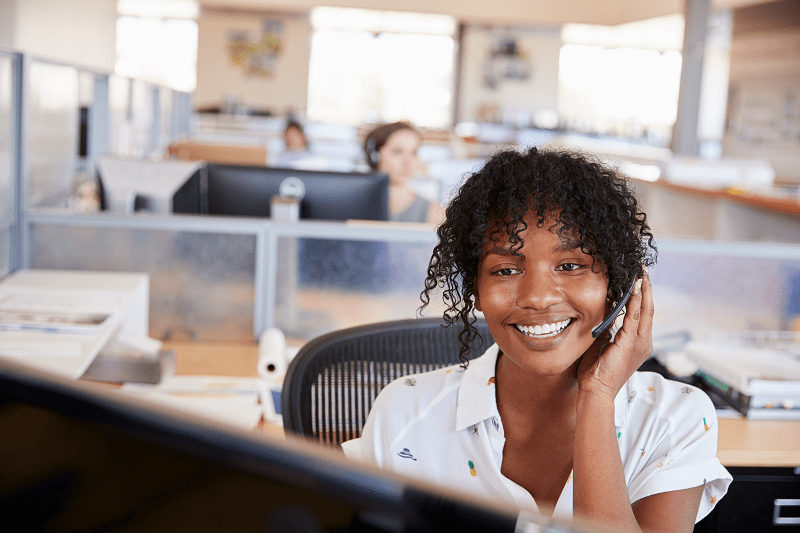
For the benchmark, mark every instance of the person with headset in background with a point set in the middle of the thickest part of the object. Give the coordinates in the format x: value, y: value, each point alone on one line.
x: 392, y: 149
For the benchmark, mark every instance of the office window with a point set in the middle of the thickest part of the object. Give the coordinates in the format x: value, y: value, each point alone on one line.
x: 622, y: 80
x: 161, y: 51
x: 371, y: 66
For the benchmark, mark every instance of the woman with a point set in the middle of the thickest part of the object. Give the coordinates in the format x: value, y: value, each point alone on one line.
x: 392, y: 149
x: 551, y: 418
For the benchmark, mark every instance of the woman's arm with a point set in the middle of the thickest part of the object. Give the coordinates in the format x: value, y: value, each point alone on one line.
x: 600, y: 492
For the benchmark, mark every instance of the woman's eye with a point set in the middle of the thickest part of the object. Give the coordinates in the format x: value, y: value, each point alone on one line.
x: 569, y: 267
x: 506, y: 271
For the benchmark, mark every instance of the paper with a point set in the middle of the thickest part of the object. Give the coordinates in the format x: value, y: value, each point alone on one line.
x: 230, y: 400
x: 25, y: 349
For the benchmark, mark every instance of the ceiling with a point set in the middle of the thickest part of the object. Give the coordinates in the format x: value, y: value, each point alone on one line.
x: 517, y: 12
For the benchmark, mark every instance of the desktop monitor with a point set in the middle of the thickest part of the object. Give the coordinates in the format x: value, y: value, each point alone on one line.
x: 247, y: 191
x: 128, y: 185
x: 75, y: 456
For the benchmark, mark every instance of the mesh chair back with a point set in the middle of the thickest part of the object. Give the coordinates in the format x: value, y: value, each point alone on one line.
x: 334, y: 379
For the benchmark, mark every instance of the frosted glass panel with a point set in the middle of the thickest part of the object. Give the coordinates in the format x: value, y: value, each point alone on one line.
x: 201, y: 284
x: 119, y: 97
x: 6, y: 124
x: 324, y: 285
x: 700, y: 293
x: 52, y: 131
x: 5, y: 251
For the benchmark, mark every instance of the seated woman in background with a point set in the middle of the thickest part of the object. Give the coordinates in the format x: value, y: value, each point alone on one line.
x: 392, y: 149
x: 296, y: 144
x: 550, y: 418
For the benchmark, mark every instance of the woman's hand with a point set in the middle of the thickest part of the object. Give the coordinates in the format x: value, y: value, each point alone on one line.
x: 606, y: 366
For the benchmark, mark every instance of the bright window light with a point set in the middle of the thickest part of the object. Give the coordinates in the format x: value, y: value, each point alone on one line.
x: 361, y: 72
x: 621, y: 80
x: 162, y: 51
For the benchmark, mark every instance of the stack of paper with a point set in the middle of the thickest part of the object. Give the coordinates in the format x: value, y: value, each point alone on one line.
x: 759, y: 383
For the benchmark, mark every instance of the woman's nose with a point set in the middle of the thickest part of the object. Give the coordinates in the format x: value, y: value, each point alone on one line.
x: 538, y: 290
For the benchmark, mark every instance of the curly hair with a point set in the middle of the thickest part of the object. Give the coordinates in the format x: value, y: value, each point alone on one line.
x: 589, y: 200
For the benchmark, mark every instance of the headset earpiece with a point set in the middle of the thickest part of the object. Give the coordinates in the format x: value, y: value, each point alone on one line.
x: 373, y: 155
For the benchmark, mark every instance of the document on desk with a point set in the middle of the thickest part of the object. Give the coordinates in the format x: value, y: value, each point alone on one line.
x: 62, y: 311
x: 227, y: 399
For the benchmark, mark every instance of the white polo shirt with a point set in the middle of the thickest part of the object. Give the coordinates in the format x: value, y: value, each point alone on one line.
x: 444, y: 427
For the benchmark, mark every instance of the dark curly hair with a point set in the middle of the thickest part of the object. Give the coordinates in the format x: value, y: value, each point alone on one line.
x: 591, y: 201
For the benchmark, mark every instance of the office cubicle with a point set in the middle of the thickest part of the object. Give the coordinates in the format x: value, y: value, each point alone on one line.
x: 215, y: 278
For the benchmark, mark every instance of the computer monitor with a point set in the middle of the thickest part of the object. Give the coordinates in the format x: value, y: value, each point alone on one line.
x: 128, y: 185
x: 247, y: 191
x: 75, y: 456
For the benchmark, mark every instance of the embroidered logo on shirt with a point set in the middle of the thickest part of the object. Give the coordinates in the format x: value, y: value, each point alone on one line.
x: 491, y: 381
x: 472, y: 470
x: 619, y: 434
x: 713, y: 500
x: 631, y: 396
x: 410, y: 382
x: 651, y: 389
x: 474, y: 429
x: 705, y: 425
x: 495, y: 423
x: 406, y: 454
x: 686, y: 390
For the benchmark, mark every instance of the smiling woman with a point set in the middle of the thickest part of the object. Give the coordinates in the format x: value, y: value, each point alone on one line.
x: 551, y: 418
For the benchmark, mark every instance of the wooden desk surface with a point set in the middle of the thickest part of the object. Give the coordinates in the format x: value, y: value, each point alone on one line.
x: 742, y: 442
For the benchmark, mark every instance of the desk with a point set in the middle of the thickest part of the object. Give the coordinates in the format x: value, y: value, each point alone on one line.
x: 742, y: 442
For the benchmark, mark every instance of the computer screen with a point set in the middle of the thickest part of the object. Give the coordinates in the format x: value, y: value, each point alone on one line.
x: 127, y: 186
x: 75, y: 456
x: 247, y: 191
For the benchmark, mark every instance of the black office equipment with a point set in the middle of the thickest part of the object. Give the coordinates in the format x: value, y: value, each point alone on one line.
x: 247, y: 190
x: 331, y: 384
x: 78, y: 457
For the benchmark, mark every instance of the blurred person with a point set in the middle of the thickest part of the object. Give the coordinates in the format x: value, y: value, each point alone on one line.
x: 296, y: 144
x: 392, y: 149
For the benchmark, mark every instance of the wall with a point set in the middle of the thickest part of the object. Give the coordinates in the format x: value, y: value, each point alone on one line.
x: 82, y: 33
x: 219, y: 79
x: 511, y: 99
x: 764, y: 99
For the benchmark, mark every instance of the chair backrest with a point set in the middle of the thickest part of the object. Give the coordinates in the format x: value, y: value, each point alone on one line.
x: 331, y: 384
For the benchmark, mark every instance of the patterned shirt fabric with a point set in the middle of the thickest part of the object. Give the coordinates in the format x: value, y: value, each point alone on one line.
x: 444, y: 427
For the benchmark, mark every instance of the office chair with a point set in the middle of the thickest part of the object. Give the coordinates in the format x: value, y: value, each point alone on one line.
x: 331, y: 384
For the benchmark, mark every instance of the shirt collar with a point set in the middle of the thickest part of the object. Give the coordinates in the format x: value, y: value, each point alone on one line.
x: 477, y: 400
x: 476, y: 395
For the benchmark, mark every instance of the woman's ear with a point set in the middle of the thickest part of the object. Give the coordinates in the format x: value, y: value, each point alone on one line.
x: 476, y: 301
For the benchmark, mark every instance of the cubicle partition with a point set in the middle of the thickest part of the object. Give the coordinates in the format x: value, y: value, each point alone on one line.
x: 228, y: 279
x: 9, y: 126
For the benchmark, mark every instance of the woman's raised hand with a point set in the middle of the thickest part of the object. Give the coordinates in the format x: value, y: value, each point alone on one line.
x: 606, y: 366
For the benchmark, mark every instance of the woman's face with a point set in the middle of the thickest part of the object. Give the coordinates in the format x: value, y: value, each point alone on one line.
x: 398, y: 156
x: 295, y: 140
x: 540, y: 306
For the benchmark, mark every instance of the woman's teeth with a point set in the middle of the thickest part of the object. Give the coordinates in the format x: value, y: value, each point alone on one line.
x: 545, y: 330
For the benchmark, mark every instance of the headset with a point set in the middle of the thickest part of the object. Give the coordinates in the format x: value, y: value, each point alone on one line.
x: 617, y: 309
x: 372, y: 154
